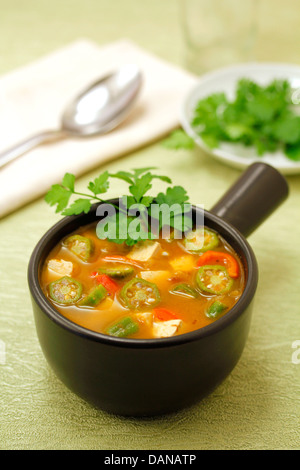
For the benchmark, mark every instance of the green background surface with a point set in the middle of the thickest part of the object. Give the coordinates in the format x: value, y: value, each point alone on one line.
x: 257, y: 407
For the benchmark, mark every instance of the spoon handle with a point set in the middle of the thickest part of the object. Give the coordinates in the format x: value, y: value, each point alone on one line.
x: 28, y: 144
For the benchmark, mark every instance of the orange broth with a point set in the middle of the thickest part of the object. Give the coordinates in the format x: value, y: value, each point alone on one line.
x: 171, y: 264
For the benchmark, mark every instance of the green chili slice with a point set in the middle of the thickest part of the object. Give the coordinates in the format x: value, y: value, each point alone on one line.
x: 214, y: 279
x: 201, y: 240
x: 215, y: 309
x: 94, y: 297
x: 186, y: 290
x: 139, y: 293
x: 82, y: 247
x: 65, y: 290
x: 117, y: 273
x: 124, y: 327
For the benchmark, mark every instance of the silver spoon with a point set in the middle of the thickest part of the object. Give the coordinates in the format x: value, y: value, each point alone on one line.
x: 95, y: 111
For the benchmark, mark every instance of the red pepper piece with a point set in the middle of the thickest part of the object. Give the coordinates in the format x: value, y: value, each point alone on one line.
x: 110, y: 285
x: 163, y: 314
x: 218, y: 257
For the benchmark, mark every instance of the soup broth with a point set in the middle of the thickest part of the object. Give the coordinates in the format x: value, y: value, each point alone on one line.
x: 154, y: 289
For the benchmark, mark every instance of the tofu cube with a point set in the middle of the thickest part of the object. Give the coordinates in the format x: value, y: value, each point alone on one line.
x: 163, y: 329
x: 144, y: 251
x: 155, y: 276
x: 146, y: 318
x: 60, y: 266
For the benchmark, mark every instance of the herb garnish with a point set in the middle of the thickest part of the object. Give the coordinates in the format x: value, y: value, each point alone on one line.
x: 179, y: 139
x: 140, y: 182
x: 264, y: 117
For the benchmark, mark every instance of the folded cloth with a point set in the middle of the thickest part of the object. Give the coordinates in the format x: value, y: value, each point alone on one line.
x: 32, y: 98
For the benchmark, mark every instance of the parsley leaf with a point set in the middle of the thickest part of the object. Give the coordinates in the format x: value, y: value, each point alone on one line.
x: 123, y: 227
x: 261, y: 116
x: 78, y: 206
x: 293, y: 152
x: 69, y: 181
x: 123, y: 175
x: 100, y: 184
x: 141, y: 186
x: 59, y: 195
x: 140, y: 181
x: 175, y: 195
x: 288, y: 130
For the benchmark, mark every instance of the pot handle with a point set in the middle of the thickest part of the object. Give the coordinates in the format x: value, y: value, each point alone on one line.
x: 252, y: 198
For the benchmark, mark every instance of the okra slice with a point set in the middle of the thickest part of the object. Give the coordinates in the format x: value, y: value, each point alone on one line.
x: 215, y: 309
x: 94, y: 297
x: 65, y: 290
x: 139, y: 293
x: 82, y: 247
x: 201, y: 240
x: 124, y: 327
x: 117, y: 273
x: 186, y: 290
x: 214, y: 279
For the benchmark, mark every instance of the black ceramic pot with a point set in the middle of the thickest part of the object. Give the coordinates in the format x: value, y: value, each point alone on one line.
x: 135, y: 377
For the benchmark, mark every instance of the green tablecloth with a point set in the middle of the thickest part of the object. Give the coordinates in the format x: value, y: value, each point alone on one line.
x: 257, y: 407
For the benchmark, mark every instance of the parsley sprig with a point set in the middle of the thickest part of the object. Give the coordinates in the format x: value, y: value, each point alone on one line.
x: 261, y: 116
x: 60, y: 194
x: 140, y: 182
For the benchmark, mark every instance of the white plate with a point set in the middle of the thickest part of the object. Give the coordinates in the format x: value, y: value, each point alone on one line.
x: 224, y: 80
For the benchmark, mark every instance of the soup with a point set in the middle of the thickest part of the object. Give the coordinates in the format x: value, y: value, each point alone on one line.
x: 154, y: 289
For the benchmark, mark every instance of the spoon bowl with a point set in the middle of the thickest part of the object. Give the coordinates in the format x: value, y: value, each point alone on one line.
x: 96, y: 110
x: 104, y: 104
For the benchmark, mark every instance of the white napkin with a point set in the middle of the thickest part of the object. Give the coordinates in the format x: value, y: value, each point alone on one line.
x: 32, y: 99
